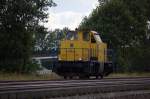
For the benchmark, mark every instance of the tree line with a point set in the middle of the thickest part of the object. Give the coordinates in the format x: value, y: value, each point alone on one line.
x: 19, y: 22
x: 123, y: 24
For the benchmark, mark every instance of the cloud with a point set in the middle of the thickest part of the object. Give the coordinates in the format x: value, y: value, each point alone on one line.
x: 69, y: 16
x: 68, y: 19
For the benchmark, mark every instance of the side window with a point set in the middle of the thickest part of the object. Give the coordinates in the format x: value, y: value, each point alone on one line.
x: 86, y: 36
x: 93, y: 39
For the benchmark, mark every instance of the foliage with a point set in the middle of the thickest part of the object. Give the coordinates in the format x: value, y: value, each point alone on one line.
x: 123, y: 25
x: 39, y: 38
x: 26, y: 77
x: 47, y: 41
x: 30, y: 68
x: 18, y: 22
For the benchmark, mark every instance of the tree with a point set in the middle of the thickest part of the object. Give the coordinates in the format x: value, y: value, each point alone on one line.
x: 124, y: 24
x: 103, y: 2
x: 40, y: 38
x: 113, y: 21
x: 46, y: 43
x: 18, y: 21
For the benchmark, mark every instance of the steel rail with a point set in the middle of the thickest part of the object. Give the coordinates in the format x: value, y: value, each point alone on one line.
x: 55, y: 85
x: 3, y: 83
x: 72, y: 87
x: 86, y: 88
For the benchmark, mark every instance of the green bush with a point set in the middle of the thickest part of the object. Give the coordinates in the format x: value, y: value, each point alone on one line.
x: 31, y: 67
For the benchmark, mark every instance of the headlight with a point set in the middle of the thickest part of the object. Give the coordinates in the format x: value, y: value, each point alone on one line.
x: 80, y: 58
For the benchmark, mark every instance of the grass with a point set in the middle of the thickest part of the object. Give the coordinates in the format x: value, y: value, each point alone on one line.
x: 16, y: 76
x: 53, y: 76
x: 135, y: 74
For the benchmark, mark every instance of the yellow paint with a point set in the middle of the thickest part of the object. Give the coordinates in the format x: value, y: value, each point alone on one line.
x: 81, y: 50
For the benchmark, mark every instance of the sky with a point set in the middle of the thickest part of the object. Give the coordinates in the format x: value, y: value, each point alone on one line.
x: 69, y: 13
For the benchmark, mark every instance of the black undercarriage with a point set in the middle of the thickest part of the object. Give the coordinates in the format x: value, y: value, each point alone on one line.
x: 83, y: 69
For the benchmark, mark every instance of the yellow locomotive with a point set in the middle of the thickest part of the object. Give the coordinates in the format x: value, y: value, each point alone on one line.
x: 83, y: 54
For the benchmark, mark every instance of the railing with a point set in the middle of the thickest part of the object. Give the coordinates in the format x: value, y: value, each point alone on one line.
x: 85, y: 53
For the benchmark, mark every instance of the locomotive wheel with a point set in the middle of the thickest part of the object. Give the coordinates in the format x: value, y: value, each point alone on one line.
x: 70, y: 77
x: 97, y: 77
x: 101, y: 76
x: 83, y: 77
x: 65, y: 77
x: 80, y: 77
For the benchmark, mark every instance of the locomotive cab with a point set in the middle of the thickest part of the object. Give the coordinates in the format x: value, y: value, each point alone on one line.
x: 83, y: 54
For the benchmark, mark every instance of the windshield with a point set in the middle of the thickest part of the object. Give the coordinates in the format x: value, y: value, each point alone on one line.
x: 71, y: 36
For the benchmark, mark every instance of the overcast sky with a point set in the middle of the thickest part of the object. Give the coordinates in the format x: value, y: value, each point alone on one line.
x: 69, y: 13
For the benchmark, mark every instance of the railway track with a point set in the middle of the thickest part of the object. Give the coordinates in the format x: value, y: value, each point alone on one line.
x: 49, y: 89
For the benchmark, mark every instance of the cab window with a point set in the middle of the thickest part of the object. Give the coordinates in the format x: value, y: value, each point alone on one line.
x: 93, y: 39
x: 72, y: 35
x: 86, y: 36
